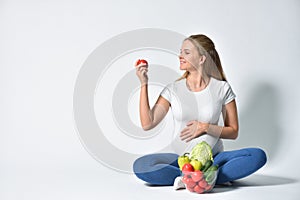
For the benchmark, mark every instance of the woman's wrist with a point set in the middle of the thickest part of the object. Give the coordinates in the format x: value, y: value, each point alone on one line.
x: 215, y: 130
x: 144, y: 82
x: 202, y: 128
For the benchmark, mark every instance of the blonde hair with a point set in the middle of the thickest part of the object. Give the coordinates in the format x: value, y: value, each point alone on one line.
x: 212, y: 65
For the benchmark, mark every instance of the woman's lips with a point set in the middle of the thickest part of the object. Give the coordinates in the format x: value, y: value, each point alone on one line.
x: 182, y: 61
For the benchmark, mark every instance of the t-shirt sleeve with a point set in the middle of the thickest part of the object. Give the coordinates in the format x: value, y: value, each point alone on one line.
x: 229, y: 95
x: 166, y: 93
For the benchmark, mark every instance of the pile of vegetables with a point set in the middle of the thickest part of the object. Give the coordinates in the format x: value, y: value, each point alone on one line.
x: 199, y: 173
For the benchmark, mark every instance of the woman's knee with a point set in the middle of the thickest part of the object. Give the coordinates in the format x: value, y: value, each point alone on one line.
x: 136, y: 165
x: 156, y: 169
x: 150, y: 162
x: 141, y: 164
x: 259, y: 155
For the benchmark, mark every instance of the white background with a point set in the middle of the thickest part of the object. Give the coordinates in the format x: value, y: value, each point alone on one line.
x: 44, y: 43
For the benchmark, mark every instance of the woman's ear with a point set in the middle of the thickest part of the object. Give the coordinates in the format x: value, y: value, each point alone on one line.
x: 202, y: 59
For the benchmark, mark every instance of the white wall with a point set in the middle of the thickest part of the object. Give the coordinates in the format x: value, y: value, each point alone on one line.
x: 43, y: 45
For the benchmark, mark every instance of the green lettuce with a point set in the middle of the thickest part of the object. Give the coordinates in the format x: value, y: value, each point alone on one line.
x: 202, y: 152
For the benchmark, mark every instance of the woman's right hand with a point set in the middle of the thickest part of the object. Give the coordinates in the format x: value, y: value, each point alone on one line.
x: 141, y: 72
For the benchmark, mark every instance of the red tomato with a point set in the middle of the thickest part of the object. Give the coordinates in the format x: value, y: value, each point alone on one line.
x: 141, y: 61
x: 202, y: 183
x: 197, y: 175
x: 191, y: 189
x: 208, y: 187
x: 190, y: 183
x: 185, y: 177
x: 187, y: 167
x: 198, y: 189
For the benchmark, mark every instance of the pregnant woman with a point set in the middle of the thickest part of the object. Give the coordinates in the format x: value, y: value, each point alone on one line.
x: 204, y: 109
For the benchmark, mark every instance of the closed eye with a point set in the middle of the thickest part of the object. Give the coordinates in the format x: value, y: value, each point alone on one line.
x: 185, y: 51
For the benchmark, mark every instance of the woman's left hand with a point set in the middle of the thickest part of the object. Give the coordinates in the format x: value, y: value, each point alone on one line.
x: 193, y: 130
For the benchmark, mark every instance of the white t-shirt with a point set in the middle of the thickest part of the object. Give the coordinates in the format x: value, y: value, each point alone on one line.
x: 204, y: 106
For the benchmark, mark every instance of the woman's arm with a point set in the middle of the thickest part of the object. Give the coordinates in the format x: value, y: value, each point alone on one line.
x: 231, y: 124
x: 150, y: 117
x: 230, y: 129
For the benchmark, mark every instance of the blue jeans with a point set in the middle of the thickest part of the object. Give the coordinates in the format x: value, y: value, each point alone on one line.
x: 162, y: 168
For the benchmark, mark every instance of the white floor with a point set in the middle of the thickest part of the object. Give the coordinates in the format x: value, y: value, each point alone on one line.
x: 93, y: 183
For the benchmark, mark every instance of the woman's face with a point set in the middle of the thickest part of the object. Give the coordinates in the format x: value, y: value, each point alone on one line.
x: 189, y: 57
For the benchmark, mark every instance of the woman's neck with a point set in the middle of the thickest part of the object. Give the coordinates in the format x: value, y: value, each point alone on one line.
x: 197, y: 81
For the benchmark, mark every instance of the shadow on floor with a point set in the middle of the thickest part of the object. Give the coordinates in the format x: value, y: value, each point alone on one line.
x: 152, y: 185
x: 255, y: 181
